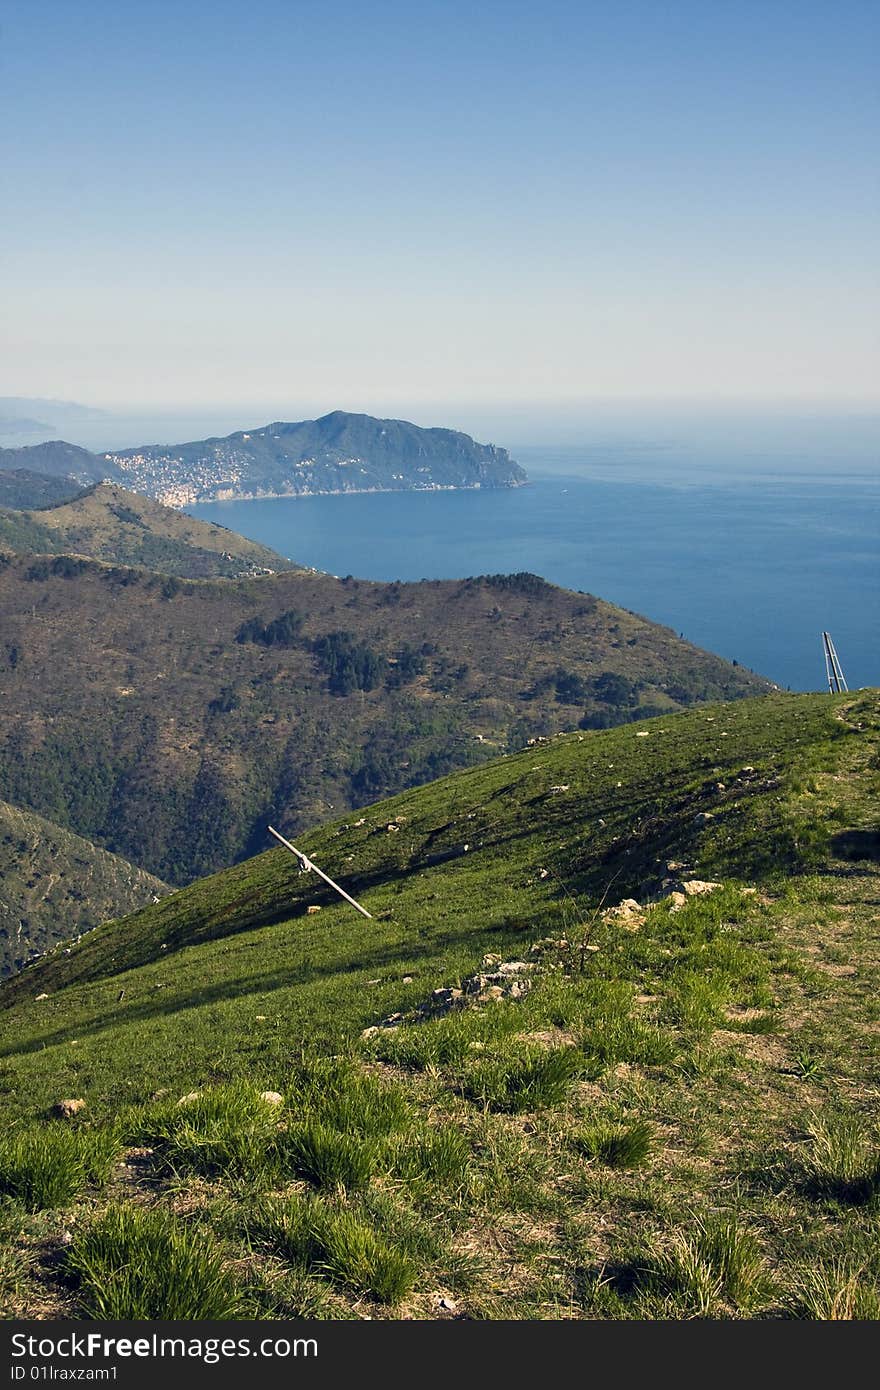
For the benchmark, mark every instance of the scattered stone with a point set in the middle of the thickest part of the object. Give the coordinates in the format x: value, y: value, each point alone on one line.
x: 675, y: 900
x: 391, y: 826
x: 41, y: 996
x: 190, y: 1097
x: 549, y: 944
x: 491, y: 960
x: 627, y: 913
x: 562, y: 787
x: 407, y: 980
x: 703, y: 817
x: 272, y: 1097
x: 66, y: 1109
x: 697, y: 887
x: 260, y: 1018
x: 445, y: 996
x: 374, y: 982
x: 313, y: 907
x: 643, y: 733
x: 448, y: 1305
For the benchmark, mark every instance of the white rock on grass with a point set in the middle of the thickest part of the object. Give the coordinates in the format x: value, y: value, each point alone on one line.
x: 66, y: 1109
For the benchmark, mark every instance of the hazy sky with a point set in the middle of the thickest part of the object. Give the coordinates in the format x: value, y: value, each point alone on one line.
x: 351, y: 202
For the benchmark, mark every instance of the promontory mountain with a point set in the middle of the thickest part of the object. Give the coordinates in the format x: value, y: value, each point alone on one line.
x: 336, y: 454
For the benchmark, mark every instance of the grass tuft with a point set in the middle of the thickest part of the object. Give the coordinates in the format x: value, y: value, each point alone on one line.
x: 327, y: 1158
x: 836, y: 1293
x: 227, y: 1129
x: 48, y: 1166
x: 529, y: 1081
x: 439, y: 1156
x: 617, y: 1038
x: 134, y: 1264
x: 338, y: 1094
x: 616, y: 1145
x: 716, y: 1260
x: 841, y: 1161
x: 338, y: 1243
x: 357, y: 1257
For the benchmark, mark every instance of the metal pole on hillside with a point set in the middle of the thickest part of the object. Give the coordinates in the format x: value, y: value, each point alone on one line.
x: 833, y: 668
x: 307, y: 864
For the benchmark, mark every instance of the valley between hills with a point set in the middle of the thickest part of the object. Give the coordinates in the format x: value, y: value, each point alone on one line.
x: 221, y: 685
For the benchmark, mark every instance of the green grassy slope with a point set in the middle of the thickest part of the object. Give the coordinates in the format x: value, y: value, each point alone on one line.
x: 123, y: 528
x: 54, y: 885
x: 198, y: 709
x: 672, y: 1122
x: 226, y: 945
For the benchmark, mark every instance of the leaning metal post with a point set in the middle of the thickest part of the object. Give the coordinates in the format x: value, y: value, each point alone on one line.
x: 307, y: 864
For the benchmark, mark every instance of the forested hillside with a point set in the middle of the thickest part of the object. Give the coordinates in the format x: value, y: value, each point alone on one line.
x: 196, y: 710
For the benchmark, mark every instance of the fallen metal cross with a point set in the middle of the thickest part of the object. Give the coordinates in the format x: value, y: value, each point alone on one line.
x: 307, y: 864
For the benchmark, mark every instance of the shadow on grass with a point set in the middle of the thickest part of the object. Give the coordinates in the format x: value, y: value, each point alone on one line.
x: 397, y: 954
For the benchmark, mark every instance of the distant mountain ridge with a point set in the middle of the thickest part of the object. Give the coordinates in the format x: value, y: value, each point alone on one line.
x: 24, y: 488
x: 56, y: 459
x: 338, y: 453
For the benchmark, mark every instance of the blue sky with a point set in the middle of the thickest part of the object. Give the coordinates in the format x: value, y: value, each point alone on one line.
x: 374, y: 204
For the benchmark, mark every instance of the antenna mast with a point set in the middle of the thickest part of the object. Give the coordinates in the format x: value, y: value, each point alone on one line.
x: 833, y: 669
x: 307, y: 864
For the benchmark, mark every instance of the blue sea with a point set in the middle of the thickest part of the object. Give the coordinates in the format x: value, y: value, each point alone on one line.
x: 748, y: 543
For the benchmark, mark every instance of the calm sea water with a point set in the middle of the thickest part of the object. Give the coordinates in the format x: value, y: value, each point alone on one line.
x: 747, y: 550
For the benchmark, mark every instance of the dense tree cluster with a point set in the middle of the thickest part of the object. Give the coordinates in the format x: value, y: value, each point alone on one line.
x: 280, y: 632
x: 348, y: 664
x: 521, y: 583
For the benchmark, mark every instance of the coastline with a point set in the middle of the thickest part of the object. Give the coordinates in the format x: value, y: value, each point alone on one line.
x: 337, y: 492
